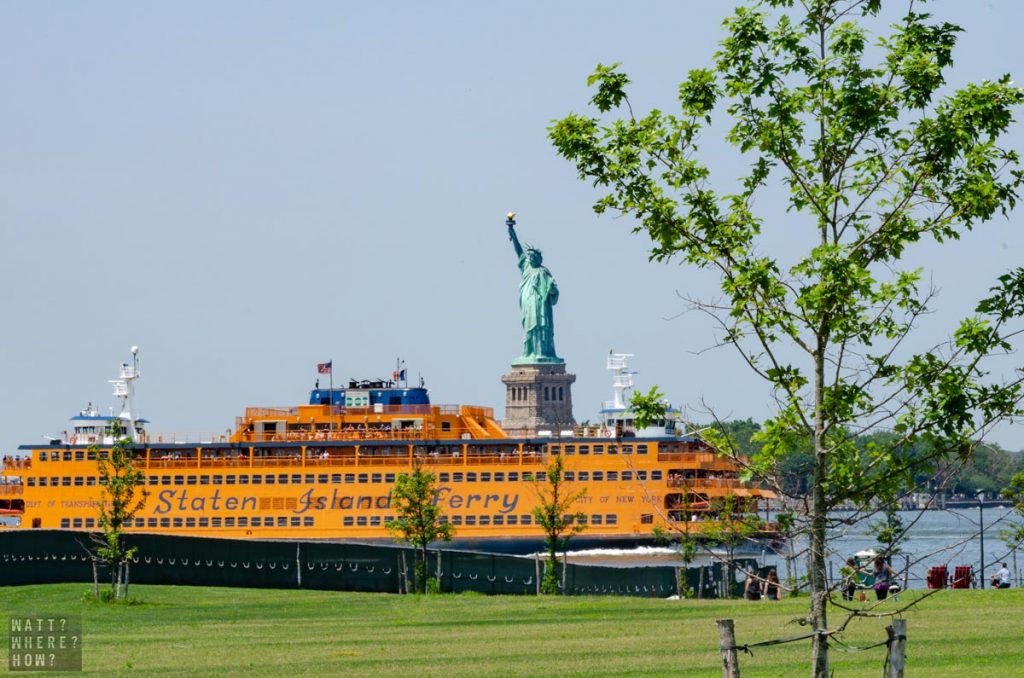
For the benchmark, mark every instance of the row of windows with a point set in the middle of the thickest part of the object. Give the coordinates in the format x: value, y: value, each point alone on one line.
x: 597, y: 449
x: 347, y: 521
x: 347, y: 478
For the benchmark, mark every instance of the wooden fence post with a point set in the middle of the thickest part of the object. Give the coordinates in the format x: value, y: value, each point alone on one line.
x: 536, y: 568
x: 897, y: 648
x: 727, y: 644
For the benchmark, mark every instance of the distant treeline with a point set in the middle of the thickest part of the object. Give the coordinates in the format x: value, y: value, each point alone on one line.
x: 989, y: 468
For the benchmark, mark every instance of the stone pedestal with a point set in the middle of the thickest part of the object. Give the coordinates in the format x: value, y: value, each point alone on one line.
x: 538, y: 397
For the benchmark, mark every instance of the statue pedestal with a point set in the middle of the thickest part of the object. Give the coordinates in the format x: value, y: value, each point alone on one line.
x: 538, y: 397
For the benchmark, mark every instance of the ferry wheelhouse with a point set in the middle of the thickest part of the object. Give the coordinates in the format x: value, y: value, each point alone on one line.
x: 326, y: 470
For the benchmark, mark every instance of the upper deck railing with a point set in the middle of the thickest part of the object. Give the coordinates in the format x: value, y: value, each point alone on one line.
x: 11, y: 490
x: 12, y: 464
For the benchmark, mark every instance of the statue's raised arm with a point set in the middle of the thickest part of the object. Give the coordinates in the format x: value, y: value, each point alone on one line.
x: 510, y: 221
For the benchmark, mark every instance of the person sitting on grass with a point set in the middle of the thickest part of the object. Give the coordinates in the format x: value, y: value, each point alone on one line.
x: 851, y: 572
x: 884, y: 577
x: 1001, y: 578
x: 772, y: 586
x: 752, y: 587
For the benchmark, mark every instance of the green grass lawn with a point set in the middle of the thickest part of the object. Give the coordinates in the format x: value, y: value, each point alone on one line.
x: 258, y: 632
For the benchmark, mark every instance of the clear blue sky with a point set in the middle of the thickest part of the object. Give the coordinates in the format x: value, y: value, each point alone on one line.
x: 247, y: 189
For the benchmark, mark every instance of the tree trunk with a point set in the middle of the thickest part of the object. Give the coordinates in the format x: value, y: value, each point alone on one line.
x: 95, y: 580
x: 127, y: 571
x: 819, y: 588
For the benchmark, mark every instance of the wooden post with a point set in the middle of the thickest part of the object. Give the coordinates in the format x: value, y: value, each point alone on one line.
x: 403, y: 581
x: 679, y: 583
x: 298, y: 565
x: 700, y: 583
x: 536, y: 568
x: 906, y: 572
x: 727, y: 644
x: 897, y: 647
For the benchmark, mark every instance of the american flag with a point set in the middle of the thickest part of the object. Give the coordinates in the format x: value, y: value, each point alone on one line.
x: 324, y: 368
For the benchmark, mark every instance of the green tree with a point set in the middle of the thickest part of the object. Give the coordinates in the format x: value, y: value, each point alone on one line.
x: 418, y: 520
x: 872, y: 154
x: 553, y: 514
x: 120, y: 499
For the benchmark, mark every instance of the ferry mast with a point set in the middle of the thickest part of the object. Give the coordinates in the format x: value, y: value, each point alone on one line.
x: 124, y: 388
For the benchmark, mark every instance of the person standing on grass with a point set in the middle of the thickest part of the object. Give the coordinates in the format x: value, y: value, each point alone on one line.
x: 884, y: 577
x: 752, y: 587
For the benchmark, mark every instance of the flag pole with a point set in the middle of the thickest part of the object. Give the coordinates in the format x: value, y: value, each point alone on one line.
x: 331, y: 376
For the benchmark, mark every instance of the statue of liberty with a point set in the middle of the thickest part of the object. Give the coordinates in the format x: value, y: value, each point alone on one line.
x: 537, y: 294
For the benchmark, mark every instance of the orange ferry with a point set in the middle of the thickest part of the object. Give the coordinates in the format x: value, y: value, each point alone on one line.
x: 326, y: 469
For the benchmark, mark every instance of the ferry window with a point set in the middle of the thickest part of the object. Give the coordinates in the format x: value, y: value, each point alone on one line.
x: 470, y: 520
x: 150, y: 480
x: 553, y: 449
x: 499, y: 476
x: 627, y: 475
x: 282, y: 522
x: 42, y: 456
x: 485, y: 520
x: 42, y: 482
x: 641, y: 475
x: 67, y: 455
x: 296, y: 521
x: 165, y: 522
x: 350, y: 477
x: 513, y: 520
x: 65, y: 523
x: 214, y: 522
x: 570, y: 449
x: 582, y: 518
x: 612, y: 449
x: 527, y: 476
x: 598, y: 449
x: 375, y: 521
x: 31, y: 481
x: 139, y: 522
x: 151, y: 522
x: 583, y: 476
x: 217, y: 480
x: 443, y: 520
x: 204, y: 522
x: 456, y: 520
x: 322, y: 478
x: 79, y: 455
x: 91, y: 455
x: 257, y: 479
x: 54, y: 481
x: 655, y: 475
x: 66, y: 481
x: 229, y: 522
x: 310, y: 477
x: 104, y: 454
x: 641, y: 449
x: 499, y: 520
x: 191, y: 480
x: 243, y: 522
x: 627, y: 449
x: 526, y: 519
x: 307, y: 521
x: 190, y: 522
x: 256, y: 521
x: 348, y: 521
x: 471, y: 477
x: 389, y: 477
x: 79, y: 481
x: 456, y: 477
x: 363, y: 477
x: 177, y: 522
x: 361, y: 521
x: 646, y: 518
x: 613, y: 475
x: 229, y: 480
x: 445, y: 477
x: 598, y: 475
x: 336, y: 478
x: 513, y: 476
x: 204, y: 480
x: 568, y: 519
x: 297, y: 479
x: 282, y: 478
x: 269, y: 479
x: 611, y: 519
x: 595, y: 519
x: 569, y: 475
x: 485, y: 477
x: 243, y: 479
x: 77, y: 522
x: 91, y: 522
x: 375, y: 477
x: 584, y: 449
